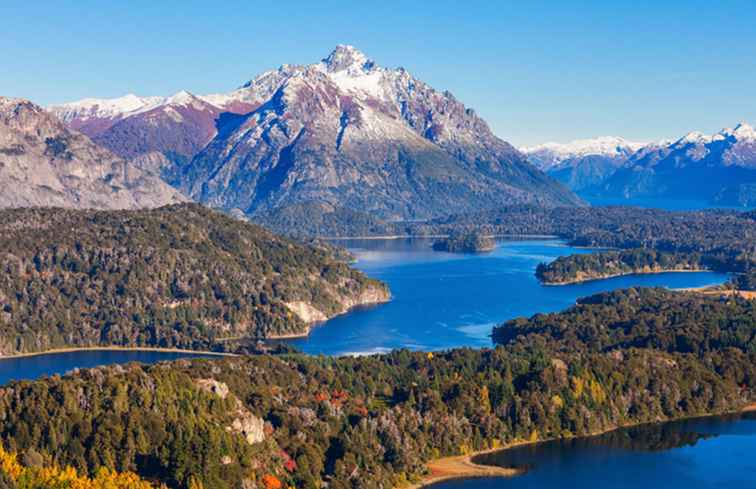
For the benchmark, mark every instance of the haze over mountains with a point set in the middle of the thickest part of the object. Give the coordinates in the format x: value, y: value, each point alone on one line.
x: 719, y: 169
x: 43, y: 163
x: 583, y: 163
x: 343, y: 132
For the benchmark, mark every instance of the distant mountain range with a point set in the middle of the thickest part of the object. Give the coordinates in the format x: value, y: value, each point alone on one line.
x: 344, y: 132
x: 719, y: 169
x: 43, y: 163
x: 583, y: 163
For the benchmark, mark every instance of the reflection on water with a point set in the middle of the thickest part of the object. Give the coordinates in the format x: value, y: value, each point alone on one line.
x: 695, y: 454
x: 444, y: 300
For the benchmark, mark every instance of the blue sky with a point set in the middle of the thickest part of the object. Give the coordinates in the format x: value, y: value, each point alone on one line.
x: 536, y: 71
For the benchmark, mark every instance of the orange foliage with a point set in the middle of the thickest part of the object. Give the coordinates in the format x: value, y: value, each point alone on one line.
x: 271, y: 482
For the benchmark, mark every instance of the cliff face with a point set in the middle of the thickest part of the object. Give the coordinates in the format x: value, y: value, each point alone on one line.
x: 43, y: 163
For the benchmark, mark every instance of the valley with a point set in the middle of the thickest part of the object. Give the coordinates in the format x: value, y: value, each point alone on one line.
x: 282, y: 262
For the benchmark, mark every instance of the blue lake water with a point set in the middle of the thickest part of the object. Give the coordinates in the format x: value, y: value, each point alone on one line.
x: 706, y: 453
x: 443, y: 300
x: 440, y: 300
x: 26, y: 368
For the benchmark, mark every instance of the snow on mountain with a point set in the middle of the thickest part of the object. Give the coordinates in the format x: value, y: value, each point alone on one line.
x: 719, y: 167
x: 47, y: 164
x: 353, y: 134
x: 342, y: 129
x: 549, y: 155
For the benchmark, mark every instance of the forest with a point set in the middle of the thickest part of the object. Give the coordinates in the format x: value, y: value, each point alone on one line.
x: 179, y: 276
x: 725, y: 240
x: 268, y: 422
x: 581, y: 267
x: 465, y: 243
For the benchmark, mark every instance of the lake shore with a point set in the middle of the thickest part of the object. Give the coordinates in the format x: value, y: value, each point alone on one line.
x: 440, y: 236
x: 463, y: 466
x: 116, y: 348
x: 622, y: 274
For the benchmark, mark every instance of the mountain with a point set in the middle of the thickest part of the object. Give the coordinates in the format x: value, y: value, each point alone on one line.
x: 178, y: 276
x: 344, y: 132
x: 43, y: 163
x: 348, y: 132
x: 158, y: 133
x: 583, y: 163
x: 719, y: 168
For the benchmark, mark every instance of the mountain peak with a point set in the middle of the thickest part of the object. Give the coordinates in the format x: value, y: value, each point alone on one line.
x: 743, y: 131
x: 181, y: 98
x: 348, y: 58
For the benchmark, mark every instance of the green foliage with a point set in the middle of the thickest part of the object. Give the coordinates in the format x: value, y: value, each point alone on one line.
x: 580, y: 267
x: 614, y: 359
x: 179, y: 276
x: 465, y: 243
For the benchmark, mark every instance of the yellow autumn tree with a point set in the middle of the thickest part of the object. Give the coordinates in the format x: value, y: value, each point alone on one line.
x: 67, y: 477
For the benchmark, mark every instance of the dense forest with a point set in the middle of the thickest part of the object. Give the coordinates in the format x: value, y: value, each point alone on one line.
x: 725, y: 240
x: 581, y: 267
x: 267, y: 422
x: 465, y: 243
x: 180, y: 276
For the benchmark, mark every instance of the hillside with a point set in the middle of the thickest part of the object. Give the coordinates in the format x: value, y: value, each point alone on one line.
x: 181, y: 276
x: 373, y: 422
x: 43, y: 163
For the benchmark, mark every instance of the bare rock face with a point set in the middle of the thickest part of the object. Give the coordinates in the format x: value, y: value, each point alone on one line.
x: 345, y: 131
x: 43, y: 163
x: 244, y: 422
x: 342, y: 132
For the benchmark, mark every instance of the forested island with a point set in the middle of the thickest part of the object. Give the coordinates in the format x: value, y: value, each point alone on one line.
x: 465, y: 243
x: 581, y: 267
x: 268, y: 422
x: 181, y: 276
x: 724, y: 240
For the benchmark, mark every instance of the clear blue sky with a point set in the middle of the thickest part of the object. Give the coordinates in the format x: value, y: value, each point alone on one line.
x: 536, y: 71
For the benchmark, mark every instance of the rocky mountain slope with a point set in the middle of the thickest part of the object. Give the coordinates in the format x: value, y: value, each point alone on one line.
x: 178, y: 276
x: 158, y: 133
x: 720, y: 168
x: 43, y: 163
x: 583, y: 163
x: 347, y: 132
x: 343, y: 132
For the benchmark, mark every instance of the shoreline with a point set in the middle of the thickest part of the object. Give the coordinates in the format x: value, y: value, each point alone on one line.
x: 75, y: 349
x: 390, y: 237
x: 464, y: 466
x: 625, y: 274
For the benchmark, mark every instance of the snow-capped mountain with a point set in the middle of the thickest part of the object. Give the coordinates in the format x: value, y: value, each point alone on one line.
x: 720, y: 167
x: 43, y: 163
x: 350, y: 133
x: 549, y: 155
x: 583, y: 163
x: 157, y: 133
x: 344, y: 131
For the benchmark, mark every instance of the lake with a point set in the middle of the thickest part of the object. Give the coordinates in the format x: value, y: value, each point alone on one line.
x: 704, y: 453
x: 440, y: 300
x: 443, y: 300
x: 32, y: 367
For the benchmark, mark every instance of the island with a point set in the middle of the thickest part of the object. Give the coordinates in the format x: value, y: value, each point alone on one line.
x: 595, y: 266
x: 465, y: 243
